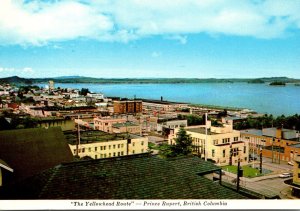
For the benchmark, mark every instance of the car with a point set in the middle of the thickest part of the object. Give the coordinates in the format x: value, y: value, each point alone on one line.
x: 285, y: 175
x: 291, y: 163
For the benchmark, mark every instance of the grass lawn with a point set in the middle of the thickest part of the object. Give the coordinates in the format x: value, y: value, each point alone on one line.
x: 248, y: 171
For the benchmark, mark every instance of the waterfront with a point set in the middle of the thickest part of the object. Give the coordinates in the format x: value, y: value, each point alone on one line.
x: 276, y: 100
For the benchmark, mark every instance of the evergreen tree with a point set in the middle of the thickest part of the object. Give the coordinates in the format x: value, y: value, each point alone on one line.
x: 183, y: 144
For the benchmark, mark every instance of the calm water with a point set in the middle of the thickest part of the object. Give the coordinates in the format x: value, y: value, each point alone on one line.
x: 259, y: 97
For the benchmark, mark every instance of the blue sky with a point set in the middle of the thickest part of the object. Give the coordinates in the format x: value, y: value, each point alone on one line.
x: 150, y: 38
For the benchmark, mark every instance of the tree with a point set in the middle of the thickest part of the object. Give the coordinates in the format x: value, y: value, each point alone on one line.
x: 183, y: 144
x: 84, y: 91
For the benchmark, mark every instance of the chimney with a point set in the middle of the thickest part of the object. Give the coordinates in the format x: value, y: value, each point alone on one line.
x: 161, y: 98
x: 278, y: 133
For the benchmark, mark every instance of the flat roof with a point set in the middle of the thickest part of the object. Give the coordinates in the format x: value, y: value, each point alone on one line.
x: 124, y: 124
x: 97, y: 136
x: 295, y: 145
x: 252, y: 132
x: 200, y: 130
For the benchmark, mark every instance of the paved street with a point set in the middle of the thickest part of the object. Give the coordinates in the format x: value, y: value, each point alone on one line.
x: 270, y: 184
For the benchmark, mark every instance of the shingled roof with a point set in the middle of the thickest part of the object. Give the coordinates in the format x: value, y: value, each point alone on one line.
x: 128, y: 177
x: 30, y: 151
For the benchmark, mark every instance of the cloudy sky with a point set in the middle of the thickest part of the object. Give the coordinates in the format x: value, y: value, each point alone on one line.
x: 150, y: 38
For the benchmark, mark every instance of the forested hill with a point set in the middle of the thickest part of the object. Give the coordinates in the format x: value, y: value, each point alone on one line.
x: 79, y: 79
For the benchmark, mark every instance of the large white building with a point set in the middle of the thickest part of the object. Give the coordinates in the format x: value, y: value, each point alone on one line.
x: 96, y: 144
x: 223, y: 143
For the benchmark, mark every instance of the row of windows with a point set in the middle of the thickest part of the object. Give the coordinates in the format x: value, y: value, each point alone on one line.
x: 225, y: 140
x: 109, y: 155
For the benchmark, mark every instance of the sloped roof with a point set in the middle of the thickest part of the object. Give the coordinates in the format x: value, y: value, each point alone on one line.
x: 30, y: 151
x: 128, y: 177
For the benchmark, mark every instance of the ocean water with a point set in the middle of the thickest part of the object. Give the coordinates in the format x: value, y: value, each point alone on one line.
x: 263, y: 98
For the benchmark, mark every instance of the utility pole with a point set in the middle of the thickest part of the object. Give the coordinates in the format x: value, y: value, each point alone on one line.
x: 230, y: 155
x: 260, y: 161
x: 253, y: 154
x: 238, y: 177
x: 272, y: 150
x: 78, y: 137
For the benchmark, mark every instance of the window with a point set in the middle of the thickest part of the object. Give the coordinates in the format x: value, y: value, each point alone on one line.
x: 90, y: 149
x: 122, y: 145
x: 142, y: 143
x: 96, y: 148
x: 213, y: 153
x: 101, y: 147
x: 114, y: 146
x: 215, y: 142
x: 245, y: 158
x: 119, y: 146
x: 95, y: 156
x: 225, y: 140
x: 133, y: 144
x: 114, y: 154
x: 109, y: 154
x: 245, y: 149
x: 104, y: 147
x: 109, y: 146
x: 74, y: 151
x: 119, y: 153
x: 235, y: 138
x: 133, y: 151
x: 83, y: 150
x: 224, y: 152
x: 122, y: 153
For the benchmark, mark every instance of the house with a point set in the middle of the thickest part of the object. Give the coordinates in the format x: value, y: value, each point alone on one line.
x: 170, y: 124
x: 220, y: 144
x: 128, y: 177
x: 106, y: 123
x: 30, y: 151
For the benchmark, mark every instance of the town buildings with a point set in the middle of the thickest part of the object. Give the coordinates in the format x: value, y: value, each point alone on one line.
x: 276, y: 143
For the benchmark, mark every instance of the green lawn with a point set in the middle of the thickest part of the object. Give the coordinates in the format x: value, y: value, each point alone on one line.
x: 248, y: 171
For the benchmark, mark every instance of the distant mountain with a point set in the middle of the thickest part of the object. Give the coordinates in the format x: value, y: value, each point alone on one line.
x: 81, y: 79
x: 67, y: 77
x: 15, y: 80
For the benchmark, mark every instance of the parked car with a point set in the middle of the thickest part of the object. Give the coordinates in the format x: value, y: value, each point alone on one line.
x: 291, y: 163
x: 285, y: 175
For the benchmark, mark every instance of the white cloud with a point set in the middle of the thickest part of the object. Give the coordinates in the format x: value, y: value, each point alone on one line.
x: 41, y: 22
x: 9, y: 71
x: 28, y: 70
x: 180, y: 38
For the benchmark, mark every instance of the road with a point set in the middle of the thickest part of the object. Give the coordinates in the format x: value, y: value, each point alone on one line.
x: 264, y: 184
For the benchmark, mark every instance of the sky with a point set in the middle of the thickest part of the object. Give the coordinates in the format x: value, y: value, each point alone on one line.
x: 150, y: 38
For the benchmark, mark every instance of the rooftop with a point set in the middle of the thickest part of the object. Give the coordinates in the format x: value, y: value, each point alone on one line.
x: 29, y: 151
x: 200, y: 130
x: 129, y: 177
x: 93, y: 136
x: 252, y: 132
x: 128, y: 124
